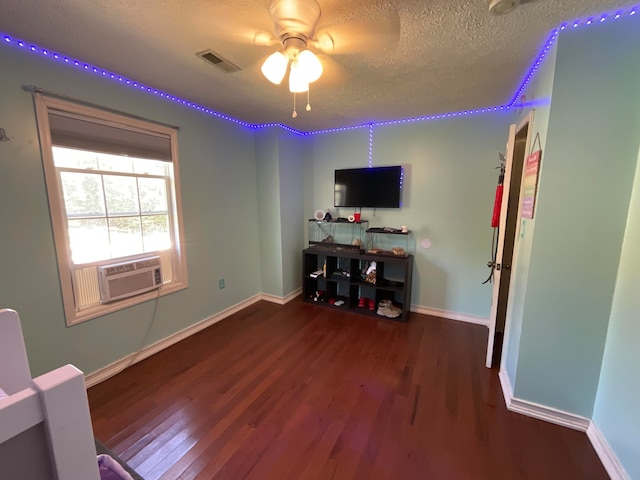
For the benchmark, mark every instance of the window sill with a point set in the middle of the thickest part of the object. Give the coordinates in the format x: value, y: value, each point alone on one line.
x: 106, y: 308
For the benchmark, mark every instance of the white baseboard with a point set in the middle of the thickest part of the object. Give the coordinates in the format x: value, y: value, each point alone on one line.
x: 541, y: 412
x: 604, y: 451
x: 116, y: 367
x: 280, y: 300
x: 507, y: 390
x: 461, y: 317
x: 607, y: 456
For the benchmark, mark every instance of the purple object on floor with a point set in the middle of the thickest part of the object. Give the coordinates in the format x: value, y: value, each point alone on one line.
x: 111, y: 470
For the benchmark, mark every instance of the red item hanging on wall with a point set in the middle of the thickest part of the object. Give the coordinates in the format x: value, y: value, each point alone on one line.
x: 495, y: 219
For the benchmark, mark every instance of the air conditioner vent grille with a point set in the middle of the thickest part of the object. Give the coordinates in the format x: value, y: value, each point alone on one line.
x: 218, y: 61
x: 122, y: 280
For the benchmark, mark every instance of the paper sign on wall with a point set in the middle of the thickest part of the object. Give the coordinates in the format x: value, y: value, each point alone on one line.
x: 530, y: 186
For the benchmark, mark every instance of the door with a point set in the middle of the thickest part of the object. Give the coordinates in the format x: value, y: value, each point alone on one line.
x: 517, y: 143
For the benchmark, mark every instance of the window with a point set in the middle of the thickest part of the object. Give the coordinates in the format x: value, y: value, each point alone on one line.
x: 113, y: 192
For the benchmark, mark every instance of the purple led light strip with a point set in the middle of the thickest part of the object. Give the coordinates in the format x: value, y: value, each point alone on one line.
x: 553, y: 36
x: 370, y: 145
x: 100, y: 72
x: 594, y: 20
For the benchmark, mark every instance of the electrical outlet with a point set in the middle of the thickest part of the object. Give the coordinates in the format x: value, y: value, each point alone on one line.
x: 221, y: 283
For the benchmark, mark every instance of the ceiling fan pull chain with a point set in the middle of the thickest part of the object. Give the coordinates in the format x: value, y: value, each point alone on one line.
x: 308, y: 104
x: 294, y: 114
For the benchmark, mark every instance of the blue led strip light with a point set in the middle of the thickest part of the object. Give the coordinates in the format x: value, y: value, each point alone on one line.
x: 100, y: 72
x: 370, y: 145
x: 439, y: 116
x: 341, y: 129
x: 553, y: 36
x: 280, y: 125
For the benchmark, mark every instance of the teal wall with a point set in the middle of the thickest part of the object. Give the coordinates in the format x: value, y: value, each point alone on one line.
x: 342, y: 149
x: 293, y: 149
x: 280, y: 164
x: 450, y: 180
x: 616, y: 410
x: 269, y: 206
x: 589, y: 160
x: 218, y: 173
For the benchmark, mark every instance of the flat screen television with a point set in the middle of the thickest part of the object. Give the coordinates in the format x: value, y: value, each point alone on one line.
x: 377, y: 187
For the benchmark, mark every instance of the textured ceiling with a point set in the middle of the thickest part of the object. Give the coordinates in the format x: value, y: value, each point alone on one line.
x: 391, y: 59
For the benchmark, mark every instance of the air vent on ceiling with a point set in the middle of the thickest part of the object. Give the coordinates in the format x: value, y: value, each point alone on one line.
x: 216, y: 60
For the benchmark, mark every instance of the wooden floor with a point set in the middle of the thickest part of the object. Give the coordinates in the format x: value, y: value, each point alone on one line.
x: 304, y: 392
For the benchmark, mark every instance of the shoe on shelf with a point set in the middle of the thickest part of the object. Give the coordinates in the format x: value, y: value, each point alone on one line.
x: 362, y: 302
x: 387, y: 309
x: 372, y: 304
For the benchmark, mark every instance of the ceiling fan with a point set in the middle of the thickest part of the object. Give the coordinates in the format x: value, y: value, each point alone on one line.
x: 308, y: 36
x: 295, y: 23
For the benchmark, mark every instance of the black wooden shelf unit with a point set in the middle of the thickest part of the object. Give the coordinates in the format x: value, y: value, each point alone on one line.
x: 336, y: 275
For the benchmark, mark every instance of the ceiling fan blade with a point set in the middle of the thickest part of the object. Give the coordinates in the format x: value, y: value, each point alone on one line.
x: 245, y: 35
x: 264, y: 39
x: 237, y: 23
x: 333, y: 74
x: 346, y: 32
x: 349, y: 39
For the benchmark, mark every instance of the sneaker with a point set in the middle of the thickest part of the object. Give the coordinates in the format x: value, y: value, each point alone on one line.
x: 387, y: 309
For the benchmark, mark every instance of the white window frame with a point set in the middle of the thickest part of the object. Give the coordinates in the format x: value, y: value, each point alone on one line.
x: 59, y: 221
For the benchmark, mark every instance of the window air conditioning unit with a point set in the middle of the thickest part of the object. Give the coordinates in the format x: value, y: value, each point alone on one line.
x: 122, y: 280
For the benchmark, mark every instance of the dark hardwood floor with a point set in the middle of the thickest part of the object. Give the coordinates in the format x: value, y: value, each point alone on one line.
x: 304, y: 392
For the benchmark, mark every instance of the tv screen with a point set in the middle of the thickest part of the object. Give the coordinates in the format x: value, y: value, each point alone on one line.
x: 378, y: 187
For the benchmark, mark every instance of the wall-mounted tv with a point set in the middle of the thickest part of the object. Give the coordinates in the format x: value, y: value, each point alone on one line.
x: 377, y: 187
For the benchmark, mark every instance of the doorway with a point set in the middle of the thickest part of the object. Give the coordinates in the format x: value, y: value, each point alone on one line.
x: 516, y: 153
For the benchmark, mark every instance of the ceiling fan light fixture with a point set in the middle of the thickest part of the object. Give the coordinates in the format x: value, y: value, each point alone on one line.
x: 295, y: 22
x: 500, y: 7
x: 298, y: 81
x: 275, y: 67
x: 310, y: 65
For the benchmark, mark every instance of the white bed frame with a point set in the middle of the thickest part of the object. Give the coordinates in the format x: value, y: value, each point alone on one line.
x: 45, y: 425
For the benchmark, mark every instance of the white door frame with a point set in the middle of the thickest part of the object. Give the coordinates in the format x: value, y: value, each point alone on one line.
x: 513, y: 130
